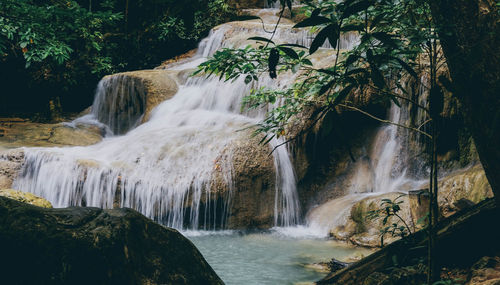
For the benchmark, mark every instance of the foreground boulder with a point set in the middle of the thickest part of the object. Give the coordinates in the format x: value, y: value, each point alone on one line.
x: 94, y: 246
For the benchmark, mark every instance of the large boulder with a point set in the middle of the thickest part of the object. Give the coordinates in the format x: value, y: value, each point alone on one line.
x: 361, y: 229
x: 126, y: 99
x: 254, y: 185
x: 243, y: 187
x: 93, y: 246
x: 470, y: 185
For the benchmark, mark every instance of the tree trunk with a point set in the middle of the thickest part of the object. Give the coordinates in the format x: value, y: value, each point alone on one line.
x: 461, y: 240
x: 469, y: 31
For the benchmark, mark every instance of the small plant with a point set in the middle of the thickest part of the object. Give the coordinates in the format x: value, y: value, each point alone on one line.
x: 391, y: 208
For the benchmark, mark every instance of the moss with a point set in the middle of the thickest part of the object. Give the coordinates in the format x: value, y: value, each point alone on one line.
x: 25, y: 197
x: 358, y: 215
x: 467, y: 148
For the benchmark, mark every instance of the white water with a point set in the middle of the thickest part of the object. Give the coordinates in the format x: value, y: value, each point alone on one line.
x: 167, y: 164
x: 270, y: 257
x: 119, y: 103
x: 383, y: 170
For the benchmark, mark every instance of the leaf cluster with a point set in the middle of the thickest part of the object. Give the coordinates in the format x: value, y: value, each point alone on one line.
x: 388, y: 209
x: 52, y: 33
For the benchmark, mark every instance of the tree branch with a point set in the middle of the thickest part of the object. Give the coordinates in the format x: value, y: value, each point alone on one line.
x: 385, y: 121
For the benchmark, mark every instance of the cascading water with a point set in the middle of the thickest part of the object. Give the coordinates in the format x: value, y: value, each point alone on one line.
x: 168, y: 164
x: 387, y: 176
x: 383, y: 170
x: 119, y: 103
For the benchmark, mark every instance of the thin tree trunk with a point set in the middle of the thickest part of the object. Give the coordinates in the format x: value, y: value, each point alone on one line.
x: 126, y: 16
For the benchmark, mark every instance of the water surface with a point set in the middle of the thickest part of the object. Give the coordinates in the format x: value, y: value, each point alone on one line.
x: 278, y: 256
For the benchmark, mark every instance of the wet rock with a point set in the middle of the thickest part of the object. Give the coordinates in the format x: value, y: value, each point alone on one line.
x: 30, y: 134
x: 93, y: 246
x: 254, y: 184
x: 10, y: 164
x: 126, y: 99
x: 75, y: 136
x: 419, y: 207
x: 335, y: 265
x: 485, y: 271
x: 470, y: 184
x: 25, y: 198
x: 321, y: 267
x: 362, y: 230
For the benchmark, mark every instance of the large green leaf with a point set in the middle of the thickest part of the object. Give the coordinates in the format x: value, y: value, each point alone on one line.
x: 288, y: 51
x: 343, y: 94
x: 407, y: 67
x: 385, y: 38
x: 274, y: 57
x: 330, y: 32
x: 377, y: 77
x: 312, y: 21
x: 356, y: 7
x: 261, y: 39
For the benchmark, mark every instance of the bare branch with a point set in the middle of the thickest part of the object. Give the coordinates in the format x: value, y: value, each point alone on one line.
x: 385, y: 121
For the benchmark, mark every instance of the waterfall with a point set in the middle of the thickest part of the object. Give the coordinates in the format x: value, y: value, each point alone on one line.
x: 165, y: 167
x: 119, y: 103
x: 391, y: 165
x: 385, y: 154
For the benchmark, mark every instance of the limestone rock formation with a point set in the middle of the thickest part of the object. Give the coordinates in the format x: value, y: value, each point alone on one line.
x: 486, y: 271
x: 470, y: 184
x: 126, y: 99
x: 457, y: 191
x: 25, y: 198
x: 10, y: 164
x: 361, y: 230
x: 26, y: 133
x: 80, y: 135
x: 254, y: 185
x: 93, y: 246
x: 247, y: 201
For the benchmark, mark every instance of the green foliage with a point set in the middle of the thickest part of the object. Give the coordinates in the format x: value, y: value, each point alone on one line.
x: 358, y: 215
x: 64, y: 47
x: 54, y: 33
x: 174, y: 27
x: 388, y: 209
x: 392, y: 35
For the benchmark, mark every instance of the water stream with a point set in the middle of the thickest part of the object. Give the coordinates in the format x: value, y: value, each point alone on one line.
x: 279, y: 256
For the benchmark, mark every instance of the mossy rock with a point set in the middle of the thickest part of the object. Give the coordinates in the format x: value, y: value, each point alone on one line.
x: 79, y: 245
x: 25, y: 197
